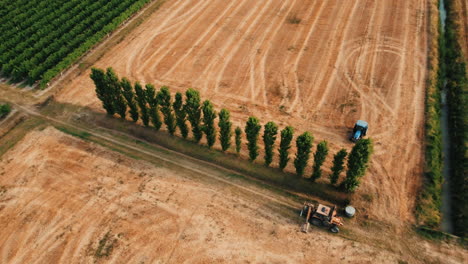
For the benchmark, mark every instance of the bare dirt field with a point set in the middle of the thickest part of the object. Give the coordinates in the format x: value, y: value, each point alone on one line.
x: 70, y: 201
x: 315, y: 65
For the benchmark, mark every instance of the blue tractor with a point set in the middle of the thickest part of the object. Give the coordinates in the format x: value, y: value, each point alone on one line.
x: 359, y: 130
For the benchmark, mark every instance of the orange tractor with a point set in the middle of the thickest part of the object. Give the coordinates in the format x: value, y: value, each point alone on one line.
x: 320, y: 216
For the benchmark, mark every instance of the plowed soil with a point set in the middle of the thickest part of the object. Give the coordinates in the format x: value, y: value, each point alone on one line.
x: 315, y: 65
x: 69, y: 201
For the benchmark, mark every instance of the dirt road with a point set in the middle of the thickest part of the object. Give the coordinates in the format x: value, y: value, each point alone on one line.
x: 67, y: 199
x: 343, y: 61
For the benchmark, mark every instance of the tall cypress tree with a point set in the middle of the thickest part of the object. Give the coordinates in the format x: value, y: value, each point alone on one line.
x: 238, y: 132
x: 303, y: 144
x: 103, y: 91
x: 338, y: 162
x: 209, y: 115
x: 252, y: 129
x: 118, y: 100
x: 193, y: 110
x: 141, y: 100
x: 319, y: 158
x: 269, y: 137
x: 181, y: 116
x: 286, y: 137
x: 358, y: 161
x: 225, y: 132
x: 129, y: 95
x: 153, y: 111
x: 164, y: 98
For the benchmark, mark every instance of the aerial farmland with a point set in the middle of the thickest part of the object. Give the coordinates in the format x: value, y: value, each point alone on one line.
x: 320, y: 75
x: 88, y: 180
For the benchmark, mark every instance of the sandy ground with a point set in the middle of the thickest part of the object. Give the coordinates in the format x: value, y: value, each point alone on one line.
x: 345, y: 60
x: 60, y: 199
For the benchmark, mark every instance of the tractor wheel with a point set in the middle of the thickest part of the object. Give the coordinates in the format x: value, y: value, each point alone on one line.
x: 316, y: 222
x: 334, y: 229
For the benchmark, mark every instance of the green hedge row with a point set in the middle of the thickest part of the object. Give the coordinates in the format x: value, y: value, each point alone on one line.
x: 430, y: 201
x: 457, y: 96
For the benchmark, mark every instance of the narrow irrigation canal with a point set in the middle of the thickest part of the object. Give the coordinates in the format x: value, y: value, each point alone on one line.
x: 447, y: 223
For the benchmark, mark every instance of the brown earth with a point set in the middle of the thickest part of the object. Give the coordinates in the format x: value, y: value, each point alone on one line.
x: 344, y: 60
x: 70, y: 201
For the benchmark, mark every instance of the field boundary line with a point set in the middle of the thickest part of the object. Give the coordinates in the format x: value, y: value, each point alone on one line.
x: 173, y: 162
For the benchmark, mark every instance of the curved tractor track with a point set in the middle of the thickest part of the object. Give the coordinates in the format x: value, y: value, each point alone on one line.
x: 344, y: 60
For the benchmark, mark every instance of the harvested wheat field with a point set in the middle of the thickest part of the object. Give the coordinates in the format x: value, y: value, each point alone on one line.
x: 71, y: 201
x: 315, y: 65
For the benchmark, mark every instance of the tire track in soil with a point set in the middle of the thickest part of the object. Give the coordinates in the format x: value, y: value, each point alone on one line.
x: 250, y: 73
x: 392, y: 186
x: 324, y: 77
x: 325, y: 44
x: 226, y: 51
x: 60, y: 246
x: 351, y: 70
x: 155, y: 57
x: 201, y: 38
x: 416, y: 121
x: 295, y: 82
x: 154, y: 60
x: 339, y: 61
x: 252, y: 29
x: 213, y: 38
x: 216, y: 37
x: 289, y: 60
x: 52, y: 220
x: 395, y: 183
x: 141, y: 47
x: 268, y: 34
x: 377, y: 38
x: 378, y: 72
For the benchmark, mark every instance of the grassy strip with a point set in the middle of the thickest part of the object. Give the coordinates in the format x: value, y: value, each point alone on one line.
x: 437, y: 235
x: 80, y: 134
x: 430, y: 200
x: 5, y: 109
x: 227, y: 160
x: 457, y: 96
x: 146, y: 146
x: 145, y: 136
x: 90, y: 138
x: 240, y: 179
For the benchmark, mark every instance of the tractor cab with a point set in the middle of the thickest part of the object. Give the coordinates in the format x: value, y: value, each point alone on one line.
x: 321, y: 215
x: 359, y: 130
x: 323, y: 210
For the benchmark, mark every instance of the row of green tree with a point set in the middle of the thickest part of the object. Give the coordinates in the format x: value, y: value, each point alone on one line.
x: 457, y: 96
x: 145, y: 103
x: 40, y: 38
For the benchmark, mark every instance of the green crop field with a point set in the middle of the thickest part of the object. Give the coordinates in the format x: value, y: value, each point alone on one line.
x: 41, y: 38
